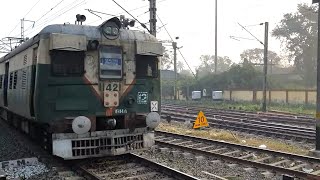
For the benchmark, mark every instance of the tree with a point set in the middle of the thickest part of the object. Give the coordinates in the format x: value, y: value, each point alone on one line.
x: 207, y: 64
x: 180, y: 66
x: 298, y: 32
x: 237, y: 77
x: 256, y: 55
x: 166, y: 60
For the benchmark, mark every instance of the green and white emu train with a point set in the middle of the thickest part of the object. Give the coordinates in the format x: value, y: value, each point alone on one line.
x: 84, y: 91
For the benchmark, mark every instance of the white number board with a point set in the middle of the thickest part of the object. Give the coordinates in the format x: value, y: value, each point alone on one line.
x: 112, y: 86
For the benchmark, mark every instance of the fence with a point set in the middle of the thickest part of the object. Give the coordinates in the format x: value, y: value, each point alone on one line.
x: 277, y: 96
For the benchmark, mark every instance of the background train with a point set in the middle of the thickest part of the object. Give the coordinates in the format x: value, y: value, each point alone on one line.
x: 84, y: 91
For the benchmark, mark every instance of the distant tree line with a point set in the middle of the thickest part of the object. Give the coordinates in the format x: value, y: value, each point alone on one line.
x: 298, y: 34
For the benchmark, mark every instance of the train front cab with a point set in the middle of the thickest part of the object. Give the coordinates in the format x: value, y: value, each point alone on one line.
x: 121, y: 85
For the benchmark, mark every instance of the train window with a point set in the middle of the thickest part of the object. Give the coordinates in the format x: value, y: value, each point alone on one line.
x: 24, y: 79
x: 1, y: 81
x: 15, y: 80
x: 67, y: 63
x: 110, y: 62
x: 10, y: 81
x: 146, y: 66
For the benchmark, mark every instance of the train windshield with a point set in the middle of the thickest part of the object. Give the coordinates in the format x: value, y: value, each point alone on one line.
x: 67, y: 63
x: 147, y: 66
x: 110, y: 62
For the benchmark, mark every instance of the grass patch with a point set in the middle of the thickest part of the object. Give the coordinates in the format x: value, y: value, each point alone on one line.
x: 227, y: 136
x: 249, y: 106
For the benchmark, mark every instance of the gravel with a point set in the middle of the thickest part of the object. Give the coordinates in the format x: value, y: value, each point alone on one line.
x: 10, y: 145
x: 193, y: 167
x: 244, y: 135
x: 16, y: 145
x: 25, y: 171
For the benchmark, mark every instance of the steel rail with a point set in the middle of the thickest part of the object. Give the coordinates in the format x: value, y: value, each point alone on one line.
x: 164, y: 169
x: 249, y: 148
x: 296, y: 173
x: 301, y: 120
x: 249, y: 126
x: 157, y: 167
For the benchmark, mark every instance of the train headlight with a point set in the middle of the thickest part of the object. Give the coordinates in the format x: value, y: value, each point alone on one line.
x: 115, y: 31
x: 108, y: 30
x: 153, y: 120
x: 81, y: 125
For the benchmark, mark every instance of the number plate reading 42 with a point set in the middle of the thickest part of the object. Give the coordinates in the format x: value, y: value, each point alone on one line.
x: 111, y: 86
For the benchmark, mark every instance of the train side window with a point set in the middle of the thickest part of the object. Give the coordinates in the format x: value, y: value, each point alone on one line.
x: 1, y: 81
x: 15, y: 80
x: 67, y: 63
x: 10, y: 81
x: 146, y: 66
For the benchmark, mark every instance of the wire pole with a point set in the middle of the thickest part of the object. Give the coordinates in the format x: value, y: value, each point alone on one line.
x: 265, y: 67
x: 318, y: 85
x: 174, y: 45
x: 22, y: 28
x: 153, y: 17
x: 216, y: 39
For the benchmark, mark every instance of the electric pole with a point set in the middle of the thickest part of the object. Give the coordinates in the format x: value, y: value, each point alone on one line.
x: 153, y: 17
x: 174, y: 45
x: 317, y: 150
x: 265, y: 67
x: 216, y: 39
x: 22, y: 27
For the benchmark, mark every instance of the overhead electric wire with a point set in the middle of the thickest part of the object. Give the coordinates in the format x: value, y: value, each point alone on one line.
x: 57, y: 15
x: 251, y: 34
x: 37, y: 21
x: 143, y: 13
x: 143, y: 25
x: 91, y: 11
x: 177, y: 48
x: 50, y: 10
x: 24, y: 17
x: 31, y: 8
x: 141, y: 7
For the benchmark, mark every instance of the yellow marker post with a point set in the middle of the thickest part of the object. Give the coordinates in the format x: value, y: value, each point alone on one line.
x: 201, y: 121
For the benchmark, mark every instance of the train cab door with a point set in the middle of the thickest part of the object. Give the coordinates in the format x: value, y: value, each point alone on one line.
x: 33, y: 80
x: 5, y: 84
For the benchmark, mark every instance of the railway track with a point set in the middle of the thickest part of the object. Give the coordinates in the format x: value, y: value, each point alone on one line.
x: 244, y: 124
x: 130, y: 166
x: 275, y: 117
x: 304, y: 167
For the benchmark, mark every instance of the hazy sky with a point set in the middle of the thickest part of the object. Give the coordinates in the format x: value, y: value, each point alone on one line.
x: 192, y: 21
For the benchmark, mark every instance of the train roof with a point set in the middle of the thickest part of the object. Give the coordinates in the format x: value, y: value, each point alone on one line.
x: 91, y: 32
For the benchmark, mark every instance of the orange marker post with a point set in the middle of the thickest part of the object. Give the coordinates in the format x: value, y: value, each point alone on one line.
x: 201, y: 121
